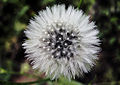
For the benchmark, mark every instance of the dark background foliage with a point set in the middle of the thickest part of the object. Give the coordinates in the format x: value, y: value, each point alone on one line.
x: 14, y: 17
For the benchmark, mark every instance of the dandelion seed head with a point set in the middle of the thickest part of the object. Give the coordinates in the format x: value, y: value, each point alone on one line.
x: 62, y: 42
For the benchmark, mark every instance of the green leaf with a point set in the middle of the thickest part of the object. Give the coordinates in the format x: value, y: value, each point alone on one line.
x: 64, y: 81
x: 112, y: 40
x: 105, y: 11
x: 19, y: 26
x: 113, y: 19
x: 79, y: 4
x: 24, y: 83
x: 49, y: 83
x: 23, y: 11
x: 118, y: 27
x: 4, y: 1
x: 24, y: 68
x: 2, y: 71
x: 11, y: 1
x: 4, y: 75
x: 45, y: 2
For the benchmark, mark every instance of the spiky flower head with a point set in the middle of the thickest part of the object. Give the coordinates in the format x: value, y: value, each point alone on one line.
x: 62, y: 42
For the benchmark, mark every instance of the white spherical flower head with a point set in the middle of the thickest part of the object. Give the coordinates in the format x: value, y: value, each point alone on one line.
x: 62, y: 42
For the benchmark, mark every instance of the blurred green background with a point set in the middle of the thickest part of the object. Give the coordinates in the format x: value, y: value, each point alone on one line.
x: 15, y: 16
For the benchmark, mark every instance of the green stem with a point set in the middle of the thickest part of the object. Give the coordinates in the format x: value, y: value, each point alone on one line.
x: 79, y: 4
x: 25, y: 83
x: 24, y: 74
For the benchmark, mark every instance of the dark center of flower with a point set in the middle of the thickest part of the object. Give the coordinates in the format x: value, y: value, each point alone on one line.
x: 60, y: 42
